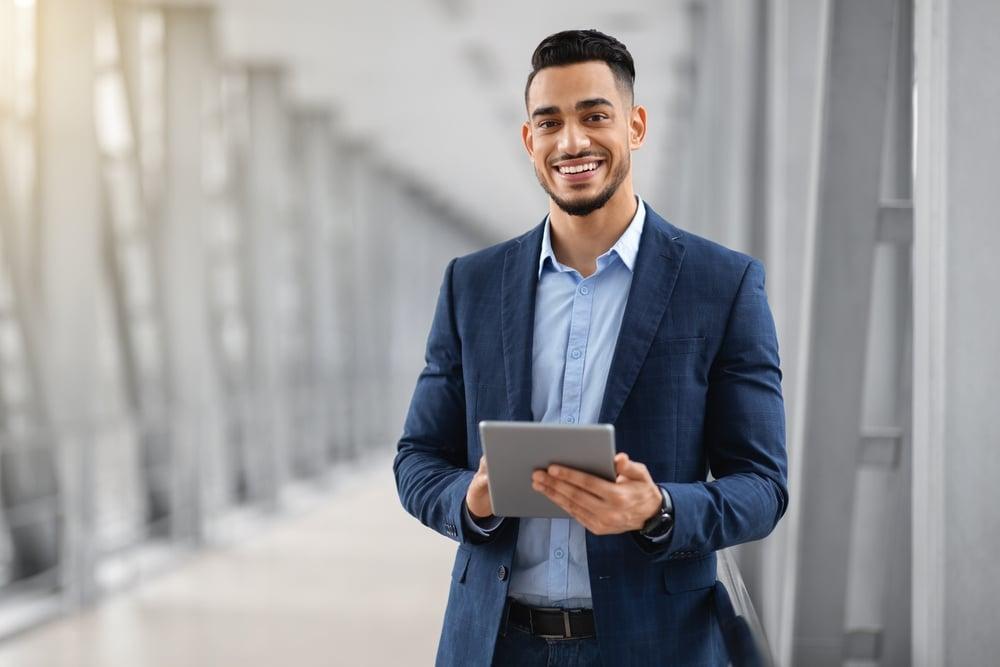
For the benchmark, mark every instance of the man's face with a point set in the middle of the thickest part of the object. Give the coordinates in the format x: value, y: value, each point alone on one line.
x: 580, y: 132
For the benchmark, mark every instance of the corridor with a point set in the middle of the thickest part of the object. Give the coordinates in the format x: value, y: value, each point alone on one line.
x: 302, y: 590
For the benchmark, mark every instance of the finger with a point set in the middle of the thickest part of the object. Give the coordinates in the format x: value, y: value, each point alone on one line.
x: 482, y: 463
x: 566, y: 487
x: 592, y: 483
x: 585, y: 516
x: 589, y: 517
x: 593, y: 521
x: 579, y: 496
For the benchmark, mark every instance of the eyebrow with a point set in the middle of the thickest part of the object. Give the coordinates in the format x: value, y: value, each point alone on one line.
x: 580, y: 106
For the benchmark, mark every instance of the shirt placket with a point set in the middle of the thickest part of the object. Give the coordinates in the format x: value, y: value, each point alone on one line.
x: 572, y: 396
x: 558, y: 569
x: 576, y: 352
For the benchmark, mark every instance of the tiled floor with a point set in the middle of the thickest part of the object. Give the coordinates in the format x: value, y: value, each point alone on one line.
x: 356, y: 581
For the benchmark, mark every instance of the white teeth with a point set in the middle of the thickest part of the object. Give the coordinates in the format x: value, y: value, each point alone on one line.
x: 590, y: 166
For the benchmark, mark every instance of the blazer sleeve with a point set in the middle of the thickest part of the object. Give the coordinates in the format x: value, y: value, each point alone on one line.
x: 744, y: 437
x: 431, y: 470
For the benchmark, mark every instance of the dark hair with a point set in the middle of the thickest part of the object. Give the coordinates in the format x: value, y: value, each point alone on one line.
x: 579, y: 46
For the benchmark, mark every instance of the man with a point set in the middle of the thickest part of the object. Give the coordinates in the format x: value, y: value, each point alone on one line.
x: 603, y: 313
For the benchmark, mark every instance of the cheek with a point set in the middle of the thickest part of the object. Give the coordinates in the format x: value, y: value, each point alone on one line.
x: 541, y: 166
x: 541, y: 171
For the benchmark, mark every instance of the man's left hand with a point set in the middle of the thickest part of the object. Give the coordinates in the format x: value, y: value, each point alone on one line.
x: 603, y: 507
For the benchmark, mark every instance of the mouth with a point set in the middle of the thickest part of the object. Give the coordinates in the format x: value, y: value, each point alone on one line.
x: 576, y: 171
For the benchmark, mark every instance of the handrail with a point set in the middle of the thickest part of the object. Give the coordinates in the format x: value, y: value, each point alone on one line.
x: 744, y: 635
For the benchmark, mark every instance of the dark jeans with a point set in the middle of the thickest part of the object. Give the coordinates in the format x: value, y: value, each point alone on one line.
x: 518, y: 648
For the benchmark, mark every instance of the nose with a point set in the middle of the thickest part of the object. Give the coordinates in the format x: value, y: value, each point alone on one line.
x: 573, y: 139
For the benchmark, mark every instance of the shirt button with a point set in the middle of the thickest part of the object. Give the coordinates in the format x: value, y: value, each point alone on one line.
x: 502, y: 573
x: 559, y: 553
x: 570, y: 419
x: 584, y: 290
x: 576, y: 354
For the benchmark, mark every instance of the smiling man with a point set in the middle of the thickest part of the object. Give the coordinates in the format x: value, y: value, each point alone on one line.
x: 603, y: 313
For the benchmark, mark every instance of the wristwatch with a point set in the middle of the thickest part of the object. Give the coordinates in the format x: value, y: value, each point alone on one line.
x: 658, y: 524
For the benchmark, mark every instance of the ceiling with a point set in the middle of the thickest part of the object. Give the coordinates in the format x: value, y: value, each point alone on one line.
x: 434, y: 87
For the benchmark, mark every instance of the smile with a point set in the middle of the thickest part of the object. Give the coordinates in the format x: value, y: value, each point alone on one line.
x: 582, y: 171
x: 576, y: 169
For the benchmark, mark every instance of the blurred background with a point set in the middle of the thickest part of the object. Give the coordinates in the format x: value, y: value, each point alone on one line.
x: 223, y: 225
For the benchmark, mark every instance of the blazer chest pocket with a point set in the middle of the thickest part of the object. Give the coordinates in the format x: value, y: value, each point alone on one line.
x: 676, y: 346
x: 680, y: 576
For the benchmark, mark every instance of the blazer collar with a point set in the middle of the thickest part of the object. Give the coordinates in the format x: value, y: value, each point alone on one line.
x: 657, y: 265
x: 656, y: 268
x: 517, y: 319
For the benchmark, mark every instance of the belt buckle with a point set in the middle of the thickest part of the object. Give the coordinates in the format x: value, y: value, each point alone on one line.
x: 568, y: 633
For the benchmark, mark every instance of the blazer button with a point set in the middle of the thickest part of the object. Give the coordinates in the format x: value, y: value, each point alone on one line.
x: 502, y: 573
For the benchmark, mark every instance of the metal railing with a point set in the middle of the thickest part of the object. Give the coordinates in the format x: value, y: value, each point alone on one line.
x: 744, y: 635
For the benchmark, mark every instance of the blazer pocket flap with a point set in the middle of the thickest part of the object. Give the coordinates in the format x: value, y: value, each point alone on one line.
x: 689, y: 575
x: 676, y: 346
x: 461, y: 565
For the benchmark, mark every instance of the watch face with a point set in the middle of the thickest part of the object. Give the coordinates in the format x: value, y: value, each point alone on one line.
x: 658, y: 523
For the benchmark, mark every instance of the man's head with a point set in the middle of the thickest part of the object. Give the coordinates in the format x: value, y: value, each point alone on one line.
x: 582, y: 125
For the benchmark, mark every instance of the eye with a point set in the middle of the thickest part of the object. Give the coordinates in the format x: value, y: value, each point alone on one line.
x: 597, y: 117
x: 547, y: 124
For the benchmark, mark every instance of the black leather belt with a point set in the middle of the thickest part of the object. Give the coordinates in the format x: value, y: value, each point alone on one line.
x: 550, y: 622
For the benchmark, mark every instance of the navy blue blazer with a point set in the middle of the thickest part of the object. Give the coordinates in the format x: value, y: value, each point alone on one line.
x: 694, y: 387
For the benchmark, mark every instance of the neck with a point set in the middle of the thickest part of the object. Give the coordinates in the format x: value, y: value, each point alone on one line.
x: 578, y: 241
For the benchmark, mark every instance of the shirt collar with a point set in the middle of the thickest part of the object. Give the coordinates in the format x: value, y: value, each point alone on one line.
x: 626, y: 247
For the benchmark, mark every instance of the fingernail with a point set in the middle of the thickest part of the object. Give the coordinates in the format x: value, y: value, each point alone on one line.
x: 554, y: 471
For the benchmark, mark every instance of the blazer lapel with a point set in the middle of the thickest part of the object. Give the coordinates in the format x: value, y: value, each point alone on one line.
x: 656, y: 267
x: 517, y: 319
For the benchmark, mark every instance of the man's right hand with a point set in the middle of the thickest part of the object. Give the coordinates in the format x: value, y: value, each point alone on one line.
x: 477, y: 498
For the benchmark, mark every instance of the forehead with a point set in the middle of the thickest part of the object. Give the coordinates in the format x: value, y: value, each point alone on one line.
x: 567, y: 84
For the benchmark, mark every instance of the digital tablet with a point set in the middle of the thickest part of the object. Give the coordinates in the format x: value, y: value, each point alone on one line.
x: 514, y: 450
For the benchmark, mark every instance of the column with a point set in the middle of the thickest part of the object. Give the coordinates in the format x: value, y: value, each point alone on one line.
x: 69, y: 219
x: 839, y: 285
x: 267, y: 212
x: 323, y: 392
x: 956, y: 371
x: 189, y: 75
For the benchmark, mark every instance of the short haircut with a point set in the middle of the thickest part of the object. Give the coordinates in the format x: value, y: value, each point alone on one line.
x: 579, y: 46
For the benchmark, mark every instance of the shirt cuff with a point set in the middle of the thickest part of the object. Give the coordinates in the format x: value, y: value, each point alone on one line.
x: 483, y: 527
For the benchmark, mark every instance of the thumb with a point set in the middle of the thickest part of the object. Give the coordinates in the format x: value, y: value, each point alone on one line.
x: 621, y: 460
x: 634, y: 470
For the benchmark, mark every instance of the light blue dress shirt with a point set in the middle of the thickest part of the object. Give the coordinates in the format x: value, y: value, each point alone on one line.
x: 576, y: 328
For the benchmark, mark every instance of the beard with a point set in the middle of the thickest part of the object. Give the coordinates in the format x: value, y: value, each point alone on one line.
x: 584, y: 207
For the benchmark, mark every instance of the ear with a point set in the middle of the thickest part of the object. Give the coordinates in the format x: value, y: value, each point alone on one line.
x: 637, y: 127
x: 527, y: 139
